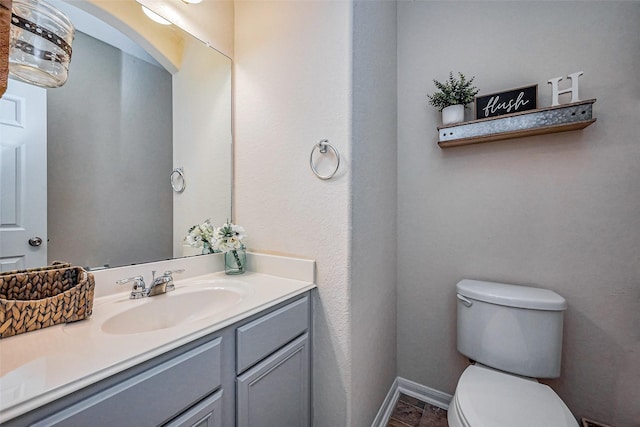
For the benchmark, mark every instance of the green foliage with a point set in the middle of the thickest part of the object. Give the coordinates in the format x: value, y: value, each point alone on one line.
x: 453, y: 91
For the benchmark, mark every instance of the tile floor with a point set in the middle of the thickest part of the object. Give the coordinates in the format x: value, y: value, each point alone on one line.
x: 411, y: 412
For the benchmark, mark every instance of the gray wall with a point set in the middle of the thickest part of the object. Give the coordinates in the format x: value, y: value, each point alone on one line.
x: 109, y: 158
x: 559, y: 211
x: 373, y: 234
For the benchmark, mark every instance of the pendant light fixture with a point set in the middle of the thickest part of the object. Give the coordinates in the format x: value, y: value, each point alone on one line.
x: 40, y: 43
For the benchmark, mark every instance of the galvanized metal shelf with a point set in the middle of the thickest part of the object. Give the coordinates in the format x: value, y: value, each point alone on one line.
x: 561, y: 118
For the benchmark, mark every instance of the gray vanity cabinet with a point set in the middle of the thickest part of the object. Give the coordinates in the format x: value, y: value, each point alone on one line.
x: 273, y: 386
x: 252, y: 373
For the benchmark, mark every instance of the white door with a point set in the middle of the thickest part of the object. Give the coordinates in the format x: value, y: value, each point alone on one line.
x: 23, y: 176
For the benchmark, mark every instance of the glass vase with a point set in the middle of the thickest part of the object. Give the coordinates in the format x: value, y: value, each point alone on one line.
x: 235, y: 261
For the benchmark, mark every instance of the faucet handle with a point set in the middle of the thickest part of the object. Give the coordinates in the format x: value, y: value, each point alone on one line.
x: 170, y: 272
x: 138, y: 286
x: 169, y: 278
x: 139, y: 281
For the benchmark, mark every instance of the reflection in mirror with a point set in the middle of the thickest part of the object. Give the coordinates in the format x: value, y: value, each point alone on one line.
x: 112, y: 136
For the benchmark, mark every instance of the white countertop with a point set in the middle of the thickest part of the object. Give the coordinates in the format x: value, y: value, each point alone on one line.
x: 41, y: 366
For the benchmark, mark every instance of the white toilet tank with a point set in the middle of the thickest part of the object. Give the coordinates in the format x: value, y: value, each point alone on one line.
x: 516, y: 329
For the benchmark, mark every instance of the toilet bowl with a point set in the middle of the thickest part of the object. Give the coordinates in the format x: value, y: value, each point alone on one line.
x: 486, y: 397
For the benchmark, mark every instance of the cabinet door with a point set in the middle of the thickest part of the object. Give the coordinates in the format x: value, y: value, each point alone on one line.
x: 205, y: 414
x: 275, y: 392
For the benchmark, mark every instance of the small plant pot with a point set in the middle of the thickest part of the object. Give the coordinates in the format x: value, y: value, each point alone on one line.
x: 453, y: 114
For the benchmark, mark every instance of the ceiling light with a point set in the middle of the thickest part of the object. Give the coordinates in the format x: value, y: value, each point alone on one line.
x: 192, y: 1
x: 154, y: 16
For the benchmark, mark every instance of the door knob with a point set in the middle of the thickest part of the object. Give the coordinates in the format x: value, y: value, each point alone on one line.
x: 35, y: 241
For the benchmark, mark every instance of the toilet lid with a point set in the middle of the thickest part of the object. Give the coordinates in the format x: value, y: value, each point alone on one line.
x: 488, y: 398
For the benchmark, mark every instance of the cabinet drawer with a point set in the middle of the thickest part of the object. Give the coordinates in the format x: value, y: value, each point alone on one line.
x: 149, y: 398
x: 260, y: 338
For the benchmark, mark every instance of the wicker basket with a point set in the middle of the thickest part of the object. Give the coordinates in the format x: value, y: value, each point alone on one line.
x: 41, y: 297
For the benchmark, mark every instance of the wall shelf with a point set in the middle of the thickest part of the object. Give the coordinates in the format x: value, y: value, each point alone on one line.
x: 561, y: 118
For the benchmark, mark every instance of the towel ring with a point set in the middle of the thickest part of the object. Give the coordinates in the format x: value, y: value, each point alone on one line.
x: 322, y: 147
x: 181, y: 184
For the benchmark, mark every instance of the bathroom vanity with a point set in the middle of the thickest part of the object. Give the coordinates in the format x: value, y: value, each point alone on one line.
x: 244, y: 363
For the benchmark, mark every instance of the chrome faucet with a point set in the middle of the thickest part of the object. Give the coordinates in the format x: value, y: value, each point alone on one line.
x: 164, y: 283
x: 159, y: 285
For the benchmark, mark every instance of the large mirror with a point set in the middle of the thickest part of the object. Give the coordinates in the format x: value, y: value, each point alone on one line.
x: 99, y: 192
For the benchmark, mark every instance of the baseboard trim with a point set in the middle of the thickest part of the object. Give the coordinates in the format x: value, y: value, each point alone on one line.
x: 413, y: 389
x: 389, y: 403
x: 424, y: 393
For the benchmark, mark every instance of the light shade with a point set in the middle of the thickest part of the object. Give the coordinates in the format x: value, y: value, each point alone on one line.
x: 154, y: 16
x: 39, y: 43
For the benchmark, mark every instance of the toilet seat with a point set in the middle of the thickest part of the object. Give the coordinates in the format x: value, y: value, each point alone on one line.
x: 488, y: 398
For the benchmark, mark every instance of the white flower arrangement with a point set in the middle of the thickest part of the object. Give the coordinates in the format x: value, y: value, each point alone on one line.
x: 201, y: 236
x: 228, y: 237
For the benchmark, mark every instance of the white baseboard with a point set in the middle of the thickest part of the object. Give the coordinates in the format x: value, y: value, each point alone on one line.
x: 413, y: 389
x: 389, y: 403
x: 424, y: 393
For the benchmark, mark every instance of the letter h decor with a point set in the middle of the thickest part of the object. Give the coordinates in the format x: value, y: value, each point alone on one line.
x: 573, y: 89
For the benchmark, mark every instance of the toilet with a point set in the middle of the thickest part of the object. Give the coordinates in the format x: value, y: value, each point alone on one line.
x: 514, y: 335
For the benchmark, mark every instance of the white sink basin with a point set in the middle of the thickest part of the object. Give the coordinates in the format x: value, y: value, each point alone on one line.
x: 173, y: 309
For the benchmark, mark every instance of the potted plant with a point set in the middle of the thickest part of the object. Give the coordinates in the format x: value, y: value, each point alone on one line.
x: 453, y: 96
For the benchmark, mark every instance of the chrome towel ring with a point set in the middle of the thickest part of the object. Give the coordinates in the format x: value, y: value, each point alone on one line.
x: 178, y: 183
x: 322, y: 146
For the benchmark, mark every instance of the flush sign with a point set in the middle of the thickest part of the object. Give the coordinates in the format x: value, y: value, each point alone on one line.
x: 511, y: 101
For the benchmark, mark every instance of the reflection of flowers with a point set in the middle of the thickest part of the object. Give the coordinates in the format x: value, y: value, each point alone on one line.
x: 201, y: 236
x: 228, y: 238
